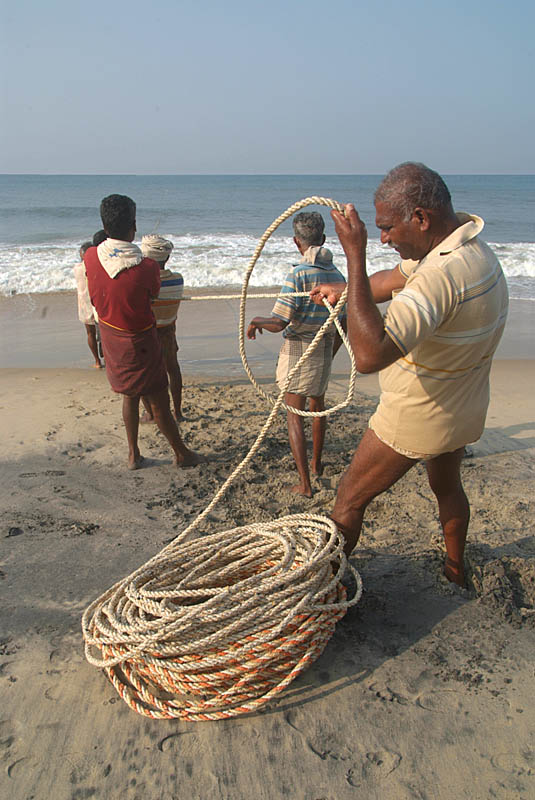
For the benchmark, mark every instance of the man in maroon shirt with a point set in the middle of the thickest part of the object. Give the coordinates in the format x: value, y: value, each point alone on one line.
x: 121, y: 284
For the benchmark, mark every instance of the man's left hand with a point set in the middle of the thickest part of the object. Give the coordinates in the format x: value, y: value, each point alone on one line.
x: 331, y: 291
x: 352, y: 233
x: 252, y: 329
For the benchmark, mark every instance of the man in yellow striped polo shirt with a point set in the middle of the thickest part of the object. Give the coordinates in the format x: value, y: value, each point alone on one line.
x: 433, y: 347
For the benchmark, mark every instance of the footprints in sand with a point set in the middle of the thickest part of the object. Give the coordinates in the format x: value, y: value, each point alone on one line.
x: 358, y: 765
x: 376, y: 766
x: 54, y: 472
x: 388, y: 695
x: 441, y: 701
x: 519, y: 764
x: 37, y: 526
x: 172, y: 741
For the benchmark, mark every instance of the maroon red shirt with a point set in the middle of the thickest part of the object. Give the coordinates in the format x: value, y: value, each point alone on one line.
x: 123, y: 301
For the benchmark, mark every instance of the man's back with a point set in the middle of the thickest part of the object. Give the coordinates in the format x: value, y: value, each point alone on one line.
x: 303, y: 315
x: 123, y: 301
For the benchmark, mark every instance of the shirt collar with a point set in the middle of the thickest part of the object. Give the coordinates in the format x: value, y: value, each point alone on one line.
x: 471, y: 225
x: 316, y: 255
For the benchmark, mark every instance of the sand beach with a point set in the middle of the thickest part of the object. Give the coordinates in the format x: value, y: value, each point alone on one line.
x: 425, y: 690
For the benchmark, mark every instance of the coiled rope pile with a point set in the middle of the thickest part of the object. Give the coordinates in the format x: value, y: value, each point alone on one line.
x: 218, y: 625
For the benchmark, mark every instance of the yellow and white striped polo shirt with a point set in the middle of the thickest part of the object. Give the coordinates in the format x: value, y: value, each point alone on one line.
x: 447, y: 320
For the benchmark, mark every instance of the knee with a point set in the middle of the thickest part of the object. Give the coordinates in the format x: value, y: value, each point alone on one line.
x: 317, y: 404
x: 352, y: 496
x: 450, y: 487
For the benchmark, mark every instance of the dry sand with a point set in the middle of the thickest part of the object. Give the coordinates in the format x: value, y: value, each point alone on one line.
x: 425, y: 691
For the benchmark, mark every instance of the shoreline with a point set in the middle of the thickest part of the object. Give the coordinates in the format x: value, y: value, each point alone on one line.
x: 42, y: 330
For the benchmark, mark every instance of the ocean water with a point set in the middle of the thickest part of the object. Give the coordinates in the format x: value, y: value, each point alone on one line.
x: 215, y: 222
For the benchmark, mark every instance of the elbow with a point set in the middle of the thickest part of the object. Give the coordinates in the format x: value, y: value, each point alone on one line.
x: 365, y: 366
x: 367, y: 362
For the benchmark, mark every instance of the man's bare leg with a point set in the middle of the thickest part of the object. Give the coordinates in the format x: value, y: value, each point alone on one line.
x: 93, y: 344
x: 131, y: 424
x: 319, y: 425
x: 375, y: 467
x: 454, y: 510
x: 298, y: 445
x: 175, y: 382
x: 159, y: 403
x: 148, y: 416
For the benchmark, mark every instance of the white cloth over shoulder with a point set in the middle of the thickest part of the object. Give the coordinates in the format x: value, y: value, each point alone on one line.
x: 116, y: 255
x: 156, y: 247
x: 86, y: 312
x: 316, y: 254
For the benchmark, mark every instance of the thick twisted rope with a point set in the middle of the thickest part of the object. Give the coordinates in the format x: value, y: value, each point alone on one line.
x: 219, y: 625
x: 332, y: 318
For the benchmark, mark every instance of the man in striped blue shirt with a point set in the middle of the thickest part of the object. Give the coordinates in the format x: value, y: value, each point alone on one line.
x: 299, y: 319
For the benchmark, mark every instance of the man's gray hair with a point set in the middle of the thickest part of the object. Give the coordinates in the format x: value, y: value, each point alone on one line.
x: 309, y: 227
x: 413, y: 185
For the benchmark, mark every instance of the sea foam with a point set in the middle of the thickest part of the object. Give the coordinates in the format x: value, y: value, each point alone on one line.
x: 221, y: 260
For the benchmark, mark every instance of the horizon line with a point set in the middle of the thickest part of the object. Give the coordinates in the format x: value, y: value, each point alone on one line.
x: 239, y: 174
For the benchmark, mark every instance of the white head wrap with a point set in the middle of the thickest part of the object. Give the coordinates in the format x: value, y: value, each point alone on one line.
x: 116, y: 255
x: 156, y: 247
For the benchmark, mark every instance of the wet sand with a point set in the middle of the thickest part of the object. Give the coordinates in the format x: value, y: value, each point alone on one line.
x: 425, y: 691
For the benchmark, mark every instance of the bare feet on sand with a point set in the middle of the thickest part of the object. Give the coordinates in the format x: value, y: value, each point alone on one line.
x: 454, y: 571
x: 306, y: 491
x: 98, y: 365
x: 316, y: 468
x: 190, y: 459
x: 135, y: 462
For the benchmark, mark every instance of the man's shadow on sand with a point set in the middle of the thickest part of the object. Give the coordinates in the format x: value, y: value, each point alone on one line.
x: 400, y: 605
x: 503, y: 440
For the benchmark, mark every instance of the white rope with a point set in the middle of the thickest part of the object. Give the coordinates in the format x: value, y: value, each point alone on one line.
x: 216, y: 626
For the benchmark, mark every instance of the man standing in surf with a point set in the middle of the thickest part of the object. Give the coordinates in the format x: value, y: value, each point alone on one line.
x: 121, y: 284
x: 433, y: 348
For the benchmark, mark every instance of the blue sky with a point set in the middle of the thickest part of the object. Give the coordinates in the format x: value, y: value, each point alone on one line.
x: 178, y: 86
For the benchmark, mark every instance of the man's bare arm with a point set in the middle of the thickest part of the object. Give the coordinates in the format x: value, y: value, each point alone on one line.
x: 372, y: 346
x: 382, y: 285
x: 385, y: 282
x: 271, y: 324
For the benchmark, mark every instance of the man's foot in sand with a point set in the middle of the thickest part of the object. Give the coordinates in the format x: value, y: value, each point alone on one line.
x: 135, y: 462
x: 190, y: 459
x: 98, y: 365
x: 454, y: 572
x: 146, y: 419
x: 299, y: 488
x: 316, y: 468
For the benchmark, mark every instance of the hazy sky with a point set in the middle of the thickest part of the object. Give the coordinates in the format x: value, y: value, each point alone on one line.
x: 228, y: 86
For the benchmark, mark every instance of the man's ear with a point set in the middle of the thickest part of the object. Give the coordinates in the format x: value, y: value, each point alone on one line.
x: 423, y: 218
